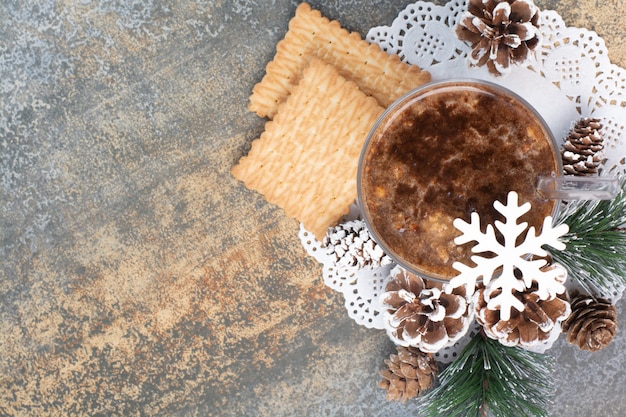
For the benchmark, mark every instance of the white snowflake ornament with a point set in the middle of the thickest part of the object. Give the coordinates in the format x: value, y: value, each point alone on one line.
x: 499, y: 271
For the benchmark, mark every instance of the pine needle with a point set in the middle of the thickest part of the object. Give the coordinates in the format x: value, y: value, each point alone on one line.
x: 490, y: 379
x: 595, y: 254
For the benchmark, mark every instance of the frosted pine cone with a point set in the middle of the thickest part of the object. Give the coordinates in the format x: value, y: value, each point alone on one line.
x: 408, y: 373
x: 418, y: 313
x: 582, y: 150
x: 592, y: 324
x: 535, y: 325
x: 351, y: 245
x: 501, y: 32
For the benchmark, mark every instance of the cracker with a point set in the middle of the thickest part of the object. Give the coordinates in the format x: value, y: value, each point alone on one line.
x: 377, y: 73
x: 306, y: 159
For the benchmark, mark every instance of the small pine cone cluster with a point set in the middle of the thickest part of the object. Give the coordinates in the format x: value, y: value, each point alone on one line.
x: 417, y: 312
x: 537, y: 324
x: 408, y: 373
x: 592, y: 324
x: 351, y: 245
x: 501, y: 32
x: 582, y: 150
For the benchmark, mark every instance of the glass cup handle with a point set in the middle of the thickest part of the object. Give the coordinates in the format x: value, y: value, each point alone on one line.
x: 578, y: 188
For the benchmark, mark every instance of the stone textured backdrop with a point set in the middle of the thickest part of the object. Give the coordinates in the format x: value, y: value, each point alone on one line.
x: 138, y: 277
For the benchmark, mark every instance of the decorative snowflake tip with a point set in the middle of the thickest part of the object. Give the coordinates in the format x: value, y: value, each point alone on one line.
x: 498, y: 272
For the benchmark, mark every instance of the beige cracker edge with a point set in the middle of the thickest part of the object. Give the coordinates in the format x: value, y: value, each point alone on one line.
x: 375, y: 72
x: 306, y: 159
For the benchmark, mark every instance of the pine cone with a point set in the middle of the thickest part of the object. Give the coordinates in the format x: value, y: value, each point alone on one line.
x: 501, y: 32
x: 592, y: 324
x: 582, y: 150
x: 351, y: 245
x: 529, y: 328
x: 408, y: 373
x: 418, y: 313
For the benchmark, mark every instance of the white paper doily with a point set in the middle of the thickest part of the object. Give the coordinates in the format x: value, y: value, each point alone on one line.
x: 570, y: 77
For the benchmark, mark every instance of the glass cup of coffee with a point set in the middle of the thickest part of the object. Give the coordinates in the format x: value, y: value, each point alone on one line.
x: 443, y: 151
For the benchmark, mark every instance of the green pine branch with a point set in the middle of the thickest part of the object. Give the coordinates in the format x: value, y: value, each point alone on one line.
x: 490, y: 379
x: 595, y: 254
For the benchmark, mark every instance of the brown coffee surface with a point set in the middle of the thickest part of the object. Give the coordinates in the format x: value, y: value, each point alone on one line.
x: 452, y: 152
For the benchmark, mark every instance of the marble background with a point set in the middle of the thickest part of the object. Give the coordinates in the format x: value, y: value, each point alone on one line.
x: 138, y: 277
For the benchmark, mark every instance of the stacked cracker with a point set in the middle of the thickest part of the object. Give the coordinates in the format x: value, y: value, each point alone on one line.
x: 324, y: 90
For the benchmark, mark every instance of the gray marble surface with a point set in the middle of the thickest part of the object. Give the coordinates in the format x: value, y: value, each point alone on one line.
x: 138, y: 277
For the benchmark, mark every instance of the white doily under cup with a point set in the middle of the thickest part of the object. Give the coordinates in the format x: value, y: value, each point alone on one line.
x: 570, y: 77
x: 361, y: 288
